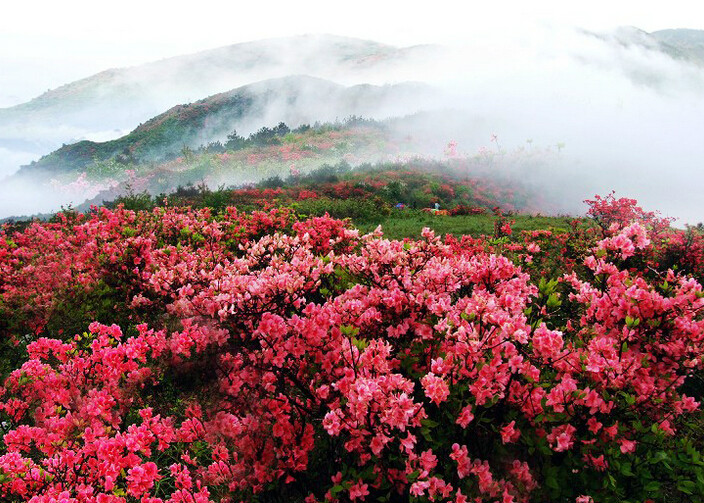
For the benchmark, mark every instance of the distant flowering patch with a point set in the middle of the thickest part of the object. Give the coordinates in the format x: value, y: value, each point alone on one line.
x: 82, y: 187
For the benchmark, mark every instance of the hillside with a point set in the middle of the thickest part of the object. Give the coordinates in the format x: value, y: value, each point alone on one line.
x: 271, y: 151
x: 400, y: 196
x: 294, y: 100
x: 683, y: 43
x: 280, y: 151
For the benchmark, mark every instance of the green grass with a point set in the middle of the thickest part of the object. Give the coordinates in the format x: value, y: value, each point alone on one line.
x: 410, y: 223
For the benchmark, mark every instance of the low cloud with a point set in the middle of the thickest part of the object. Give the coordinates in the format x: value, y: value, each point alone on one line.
x: 626, y: 115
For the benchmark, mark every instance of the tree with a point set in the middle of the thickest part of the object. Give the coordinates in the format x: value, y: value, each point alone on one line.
x: 234, y: 141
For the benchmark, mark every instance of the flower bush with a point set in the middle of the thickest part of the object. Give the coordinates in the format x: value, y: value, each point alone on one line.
x: 256, y: 357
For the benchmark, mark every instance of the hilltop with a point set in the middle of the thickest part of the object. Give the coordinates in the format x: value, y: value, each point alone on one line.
x: 295, y: 100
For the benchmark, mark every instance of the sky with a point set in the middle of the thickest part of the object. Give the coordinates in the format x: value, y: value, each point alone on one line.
x: 626, y: 114
x: 44, y: 44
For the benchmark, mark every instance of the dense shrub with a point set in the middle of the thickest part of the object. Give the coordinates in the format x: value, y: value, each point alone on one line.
x: 260, y: 358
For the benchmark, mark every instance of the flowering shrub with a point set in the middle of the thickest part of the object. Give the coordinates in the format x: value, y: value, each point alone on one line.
x: 260, y: 357
x: 608, y: 211
x: 82, y: 187
x: 325, y: 234
x: 672, y: 248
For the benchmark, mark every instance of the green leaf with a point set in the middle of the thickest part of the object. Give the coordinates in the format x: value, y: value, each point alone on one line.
x: 652, y: 486
x: 429, y: 423
x: 632, y: 322
x: 626, y: 469
x: 659, y: 457
x: 686, y: 486
x: 554, y: 301
x: 551, y: 482
x: 349, y: 330
x: 413, y: 476
x: 360, y: 344
x: 612, y: 480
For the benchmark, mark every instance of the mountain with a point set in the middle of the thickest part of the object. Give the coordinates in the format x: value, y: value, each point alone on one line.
x: 105, y: 105
x: 294, y: 100
x: 683, y: 43
x: 679, y: 44
x: 108, y: 105
x: 667, y: 61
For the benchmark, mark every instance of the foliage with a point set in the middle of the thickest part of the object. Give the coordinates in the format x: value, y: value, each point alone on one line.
x: 254, y: 356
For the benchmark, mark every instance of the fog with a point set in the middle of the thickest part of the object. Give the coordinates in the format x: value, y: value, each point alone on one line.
x: 627, y: 114
x: 630, y: 117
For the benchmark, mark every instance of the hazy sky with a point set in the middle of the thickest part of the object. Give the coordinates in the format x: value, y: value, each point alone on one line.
x: 626, y: 114
x: 45, y: 43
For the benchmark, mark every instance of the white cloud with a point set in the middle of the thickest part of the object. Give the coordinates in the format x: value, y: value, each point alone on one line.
x: 85, y: 35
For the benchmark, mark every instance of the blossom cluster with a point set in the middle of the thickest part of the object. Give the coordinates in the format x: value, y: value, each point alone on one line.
x: 257, y: 355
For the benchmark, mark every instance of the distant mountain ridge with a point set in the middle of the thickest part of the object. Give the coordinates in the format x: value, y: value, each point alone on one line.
x: 210, y: 69
x: 112, y: 102
x: 667, y: 61
x: 117, y: 99
x: 680, y: 44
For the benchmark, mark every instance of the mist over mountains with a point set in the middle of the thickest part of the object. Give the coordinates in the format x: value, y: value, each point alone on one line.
x: 626, y: 105
x: 113, y: 102
x: 294, y: 100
